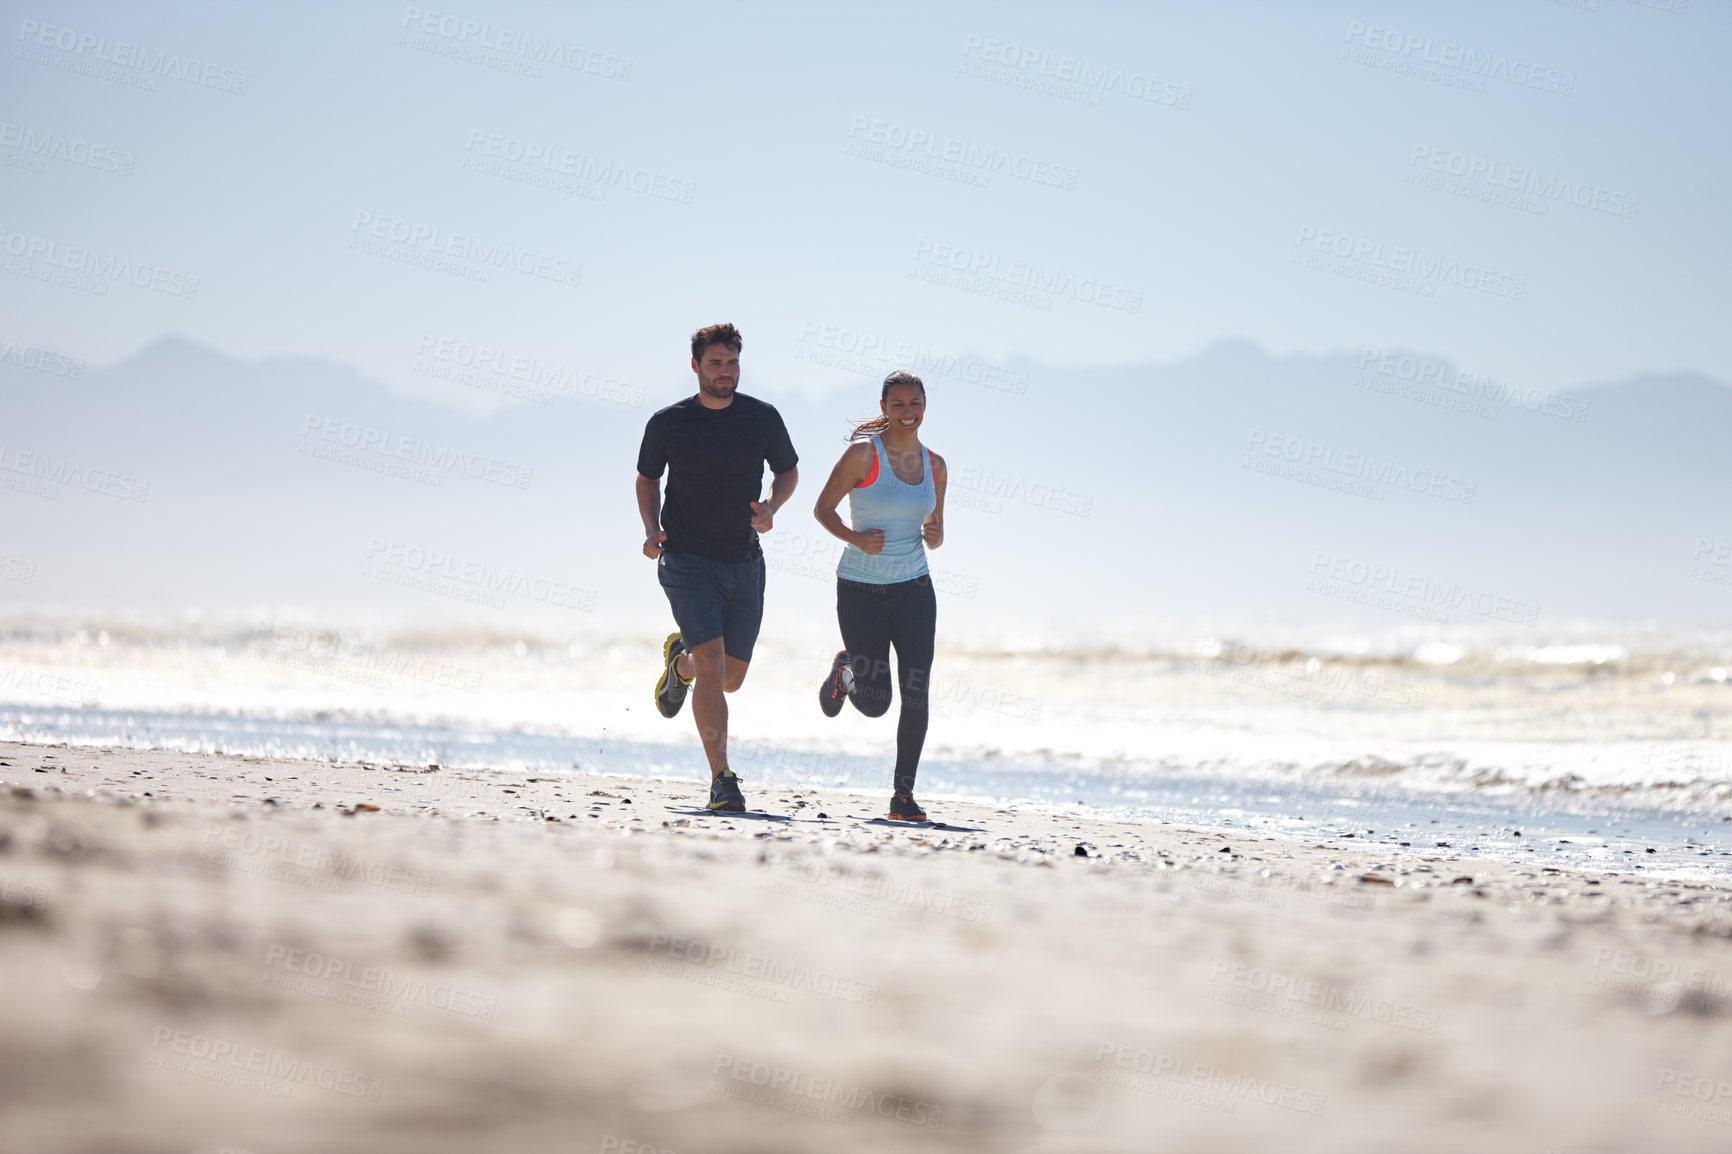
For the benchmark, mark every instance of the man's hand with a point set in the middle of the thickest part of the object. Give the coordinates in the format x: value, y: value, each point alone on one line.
x: 932, y: 533
x: 652, y: 545
x: 762, y: 518
x: 869, y: 541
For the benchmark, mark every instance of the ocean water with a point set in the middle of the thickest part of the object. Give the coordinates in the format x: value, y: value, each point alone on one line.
x: 1610, y: 752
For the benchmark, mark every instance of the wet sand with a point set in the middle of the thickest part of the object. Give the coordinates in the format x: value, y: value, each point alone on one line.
x: 207, y: 953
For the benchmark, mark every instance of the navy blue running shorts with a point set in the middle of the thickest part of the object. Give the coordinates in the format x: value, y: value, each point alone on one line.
x: 712, y: 599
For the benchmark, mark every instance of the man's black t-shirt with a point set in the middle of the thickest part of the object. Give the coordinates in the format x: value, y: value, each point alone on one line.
x: 715, y: 461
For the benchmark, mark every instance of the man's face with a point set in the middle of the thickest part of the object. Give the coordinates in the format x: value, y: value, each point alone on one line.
x: 718, y: 371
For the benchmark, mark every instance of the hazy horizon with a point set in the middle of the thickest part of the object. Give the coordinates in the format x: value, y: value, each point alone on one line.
x: 216, y: 443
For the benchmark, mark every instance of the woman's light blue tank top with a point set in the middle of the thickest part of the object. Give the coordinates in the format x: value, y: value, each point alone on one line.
x: 887, y: 502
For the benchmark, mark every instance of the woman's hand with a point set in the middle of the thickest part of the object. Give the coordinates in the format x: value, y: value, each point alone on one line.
x: 869, y: 541
x: 932, y: 533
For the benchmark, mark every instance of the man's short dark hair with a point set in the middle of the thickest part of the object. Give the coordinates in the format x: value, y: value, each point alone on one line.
x: 723, y: 334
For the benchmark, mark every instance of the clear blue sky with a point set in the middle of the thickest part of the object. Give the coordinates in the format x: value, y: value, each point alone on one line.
x: 1268, y: 123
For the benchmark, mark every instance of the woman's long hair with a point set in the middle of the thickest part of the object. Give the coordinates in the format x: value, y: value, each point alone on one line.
x: 878, y: 424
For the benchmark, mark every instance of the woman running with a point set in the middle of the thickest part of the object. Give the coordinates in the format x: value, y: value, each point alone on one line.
x: 895, y: 490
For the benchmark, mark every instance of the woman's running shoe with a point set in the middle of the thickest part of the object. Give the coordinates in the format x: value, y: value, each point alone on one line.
x: 837, y: 686
x: 671, y: 689
x: 904, y: 808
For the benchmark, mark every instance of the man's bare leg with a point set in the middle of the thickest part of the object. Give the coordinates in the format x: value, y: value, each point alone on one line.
x: 716, y: 673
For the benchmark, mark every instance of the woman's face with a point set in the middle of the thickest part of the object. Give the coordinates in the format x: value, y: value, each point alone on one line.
x: 905, y: 405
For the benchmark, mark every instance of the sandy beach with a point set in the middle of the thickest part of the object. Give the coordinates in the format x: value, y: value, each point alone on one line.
x: 209, y: 953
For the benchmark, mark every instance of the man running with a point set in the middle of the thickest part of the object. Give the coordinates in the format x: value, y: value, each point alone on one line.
x: 704, y: 540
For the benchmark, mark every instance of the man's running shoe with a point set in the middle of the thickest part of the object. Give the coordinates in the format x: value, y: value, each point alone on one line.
x: 904, y: 808
x: 837, y: 686
x: 671, y: 689
x: 725, y: 795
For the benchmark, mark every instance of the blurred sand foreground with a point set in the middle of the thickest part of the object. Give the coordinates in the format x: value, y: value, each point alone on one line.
x: 211, y: 953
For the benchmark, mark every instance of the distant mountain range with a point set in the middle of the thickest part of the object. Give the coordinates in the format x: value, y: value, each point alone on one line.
x: 1372, y: 489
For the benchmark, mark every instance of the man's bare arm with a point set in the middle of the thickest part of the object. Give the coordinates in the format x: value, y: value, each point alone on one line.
x: 649, y: 507
x: 781, y: 488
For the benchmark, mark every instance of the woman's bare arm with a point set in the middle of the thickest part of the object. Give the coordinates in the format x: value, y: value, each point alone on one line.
x: 932, y: 529
x: 849, y: 471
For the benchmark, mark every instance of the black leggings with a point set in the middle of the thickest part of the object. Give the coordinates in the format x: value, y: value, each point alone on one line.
x: 873, y: 618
